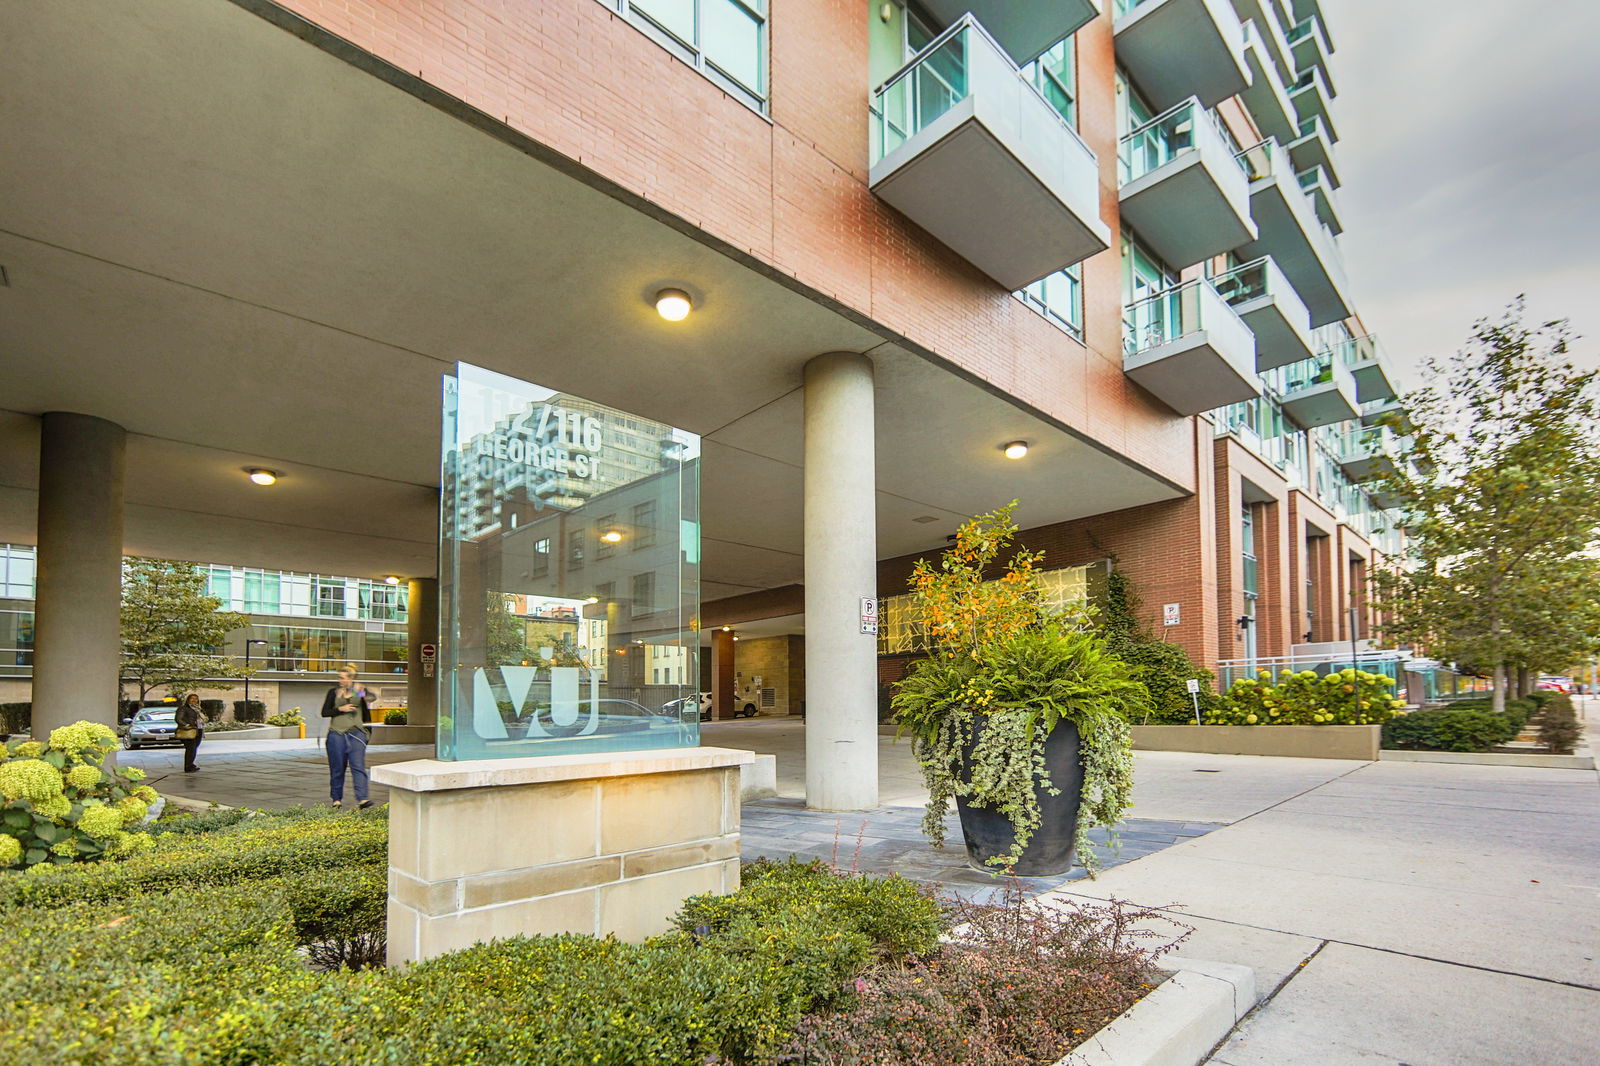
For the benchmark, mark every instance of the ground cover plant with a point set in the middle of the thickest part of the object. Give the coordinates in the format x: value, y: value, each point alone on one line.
x: 1342, y: 697
x: 248, y: 940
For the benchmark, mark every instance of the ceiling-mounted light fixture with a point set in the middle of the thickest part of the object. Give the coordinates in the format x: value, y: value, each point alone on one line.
x: 1016, y: 449
x: 262, y: 476
x: 673, y: 305
x: 391, y: 580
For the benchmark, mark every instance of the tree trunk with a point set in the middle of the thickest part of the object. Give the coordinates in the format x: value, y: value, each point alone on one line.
x: 1524, y: 682
x: 1499, y: 697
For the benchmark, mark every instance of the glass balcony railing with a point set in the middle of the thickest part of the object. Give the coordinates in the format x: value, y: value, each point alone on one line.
x: 1165, y: 316
x: 938, y: 78
x: 1307, y: 373
x: 1356, y: 350
x: 1259, y: 160
x: 931, y: 84
x: 1162, y: 139
x: 1245, y: 283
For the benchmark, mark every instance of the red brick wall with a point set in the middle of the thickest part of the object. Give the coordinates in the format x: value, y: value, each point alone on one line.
x: 791, y: 191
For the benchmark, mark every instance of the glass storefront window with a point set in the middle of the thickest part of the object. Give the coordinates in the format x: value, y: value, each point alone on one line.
x: 538, y: 655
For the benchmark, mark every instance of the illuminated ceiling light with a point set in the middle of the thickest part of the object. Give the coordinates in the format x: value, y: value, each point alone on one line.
x: 673, y: 305
x: 391, y: 580
x: 735, y: 638
x: 727, y: 629
x: 611, y: 536
x: 592, y: 599
x: 1016, y: 449
x: 262, y: 476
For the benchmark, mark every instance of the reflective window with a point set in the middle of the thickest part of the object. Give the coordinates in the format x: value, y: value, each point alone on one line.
x: 724, y: 39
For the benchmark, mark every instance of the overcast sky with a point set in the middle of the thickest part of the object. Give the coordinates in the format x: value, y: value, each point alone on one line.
x: 1470, y: 154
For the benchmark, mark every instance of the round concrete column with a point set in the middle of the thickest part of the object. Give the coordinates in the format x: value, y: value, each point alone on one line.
x: 422, y: 627
x: 77, y: 659
x: 841, y: 564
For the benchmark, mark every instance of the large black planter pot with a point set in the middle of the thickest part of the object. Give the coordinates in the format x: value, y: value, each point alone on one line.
x: 988, y: 832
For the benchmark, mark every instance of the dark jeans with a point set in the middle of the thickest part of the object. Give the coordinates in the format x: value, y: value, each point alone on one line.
x: 189, y: 748
x: 347, y: 749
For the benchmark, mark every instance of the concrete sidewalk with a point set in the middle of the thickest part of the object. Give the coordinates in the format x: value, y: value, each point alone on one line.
x: 1414, y: 913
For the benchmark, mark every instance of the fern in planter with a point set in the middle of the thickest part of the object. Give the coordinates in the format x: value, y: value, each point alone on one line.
x: 1003, y: 671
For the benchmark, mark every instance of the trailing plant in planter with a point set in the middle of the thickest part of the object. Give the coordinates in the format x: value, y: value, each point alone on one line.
x: 1015, y: 700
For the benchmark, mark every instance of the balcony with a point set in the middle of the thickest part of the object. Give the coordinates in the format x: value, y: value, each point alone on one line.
x: 1175, y: 49
x: 1182, y: 188
x: 1314, y: 182
x: 1365, y: 453
x: 1311, y: 46
x: 1024, y: 28
x: 1291, y: 234
x: 967, y: 148
x: 1261, y: 296
x: 1189, y: 349
x: 1368, y: 364
x: 1387, y: 411
x: 1263, y: 14
x: 1310, y: 94
x: 1312, y: 147
x: 1265, y: 97
x: 1319, y: 392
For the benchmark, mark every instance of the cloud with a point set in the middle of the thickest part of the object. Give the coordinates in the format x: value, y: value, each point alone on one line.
x: 1471, y: 146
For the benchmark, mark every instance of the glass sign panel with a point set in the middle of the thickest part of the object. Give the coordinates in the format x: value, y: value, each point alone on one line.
x: 569, y: 578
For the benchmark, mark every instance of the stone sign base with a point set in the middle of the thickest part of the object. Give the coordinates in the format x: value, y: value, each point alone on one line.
x: 596, y: 844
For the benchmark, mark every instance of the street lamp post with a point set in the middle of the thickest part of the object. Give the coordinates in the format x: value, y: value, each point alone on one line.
x: 247, y: 646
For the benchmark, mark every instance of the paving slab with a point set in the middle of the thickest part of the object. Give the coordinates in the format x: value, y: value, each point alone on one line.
x: 1353, y: 1006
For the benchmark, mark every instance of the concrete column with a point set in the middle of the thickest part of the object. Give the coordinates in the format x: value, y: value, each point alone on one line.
x: 422, y: 627
x: 722, y: 653
x: 77, y: 661
x: 841, y: 566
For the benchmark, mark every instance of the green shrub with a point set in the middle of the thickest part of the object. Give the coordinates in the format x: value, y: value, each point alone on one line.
x: 178, y: 821
x: 1540, y: 696
x: 1517, y: 713
x: 395, y: 717
x: 60, y: 805
x: 1344, y: 697
x: 1465, y: 729
x: 278, y: 847
x: 290, y: 717
x: 16, y: 718
x: 253, y: 711
x: 1164, y: 669
x: 1559, y: 729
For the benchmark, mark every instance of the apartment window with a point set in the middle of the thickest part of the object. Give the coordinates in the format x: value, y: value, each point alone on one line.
x: 1059, y: 298
x: 16, y: 571
x: 644, y: 525
x: 726, y: 40
x: 575, y: 550
x: 219, y: 584
x: 261, y: 593
x: 607, y: 524
x: 1054, y: 74
x: 644, y: 592
x: 330, y: 598
x: 541, y: 557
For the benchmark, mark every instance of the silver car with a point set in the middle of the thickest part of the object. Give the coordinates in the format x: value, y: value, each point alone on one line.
x: 152, y: 726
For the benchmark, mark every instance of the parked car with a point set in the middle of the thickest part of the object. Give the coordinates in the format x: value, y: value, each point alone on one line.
x: 742, y: 708
x: 1554, y: 684
x: 150, y: 727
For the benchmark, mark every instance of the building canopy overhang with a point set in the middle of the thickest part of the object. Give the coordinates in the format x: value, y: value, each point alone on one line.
x: 253, y: 249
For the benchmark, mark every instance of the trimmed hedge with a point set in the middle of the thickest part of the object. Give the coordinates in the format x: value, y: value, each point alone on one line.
x: 145, y: 968
x: 1559, y: 729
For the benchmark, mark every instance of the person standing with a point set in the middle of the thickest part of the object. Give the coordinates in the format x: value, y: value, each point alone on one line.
x: 346, y: 706
x: 190, y: 730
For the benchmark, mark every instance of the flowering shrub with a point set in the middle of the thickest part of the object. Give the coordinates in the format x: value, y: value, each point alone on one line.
x: 291, y: 717
x: 62, y: 806
x: 1345, y: 697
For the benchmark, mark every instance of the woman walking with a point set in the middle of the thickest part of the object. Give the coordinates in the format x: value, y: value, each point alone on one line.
x: 346, y: 705
x: 190, y: 729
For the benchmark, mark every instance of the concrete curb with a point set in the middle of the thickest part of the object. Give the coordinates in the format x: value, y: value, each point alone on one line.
x: 1178, y: 1023
x: 1488, y: 758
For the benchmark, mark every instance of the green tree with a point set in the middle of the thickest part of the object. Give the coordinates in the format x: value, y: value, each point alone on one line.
x: 171, y: 629
x: 1499, y: 487
x: 508, y: 637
